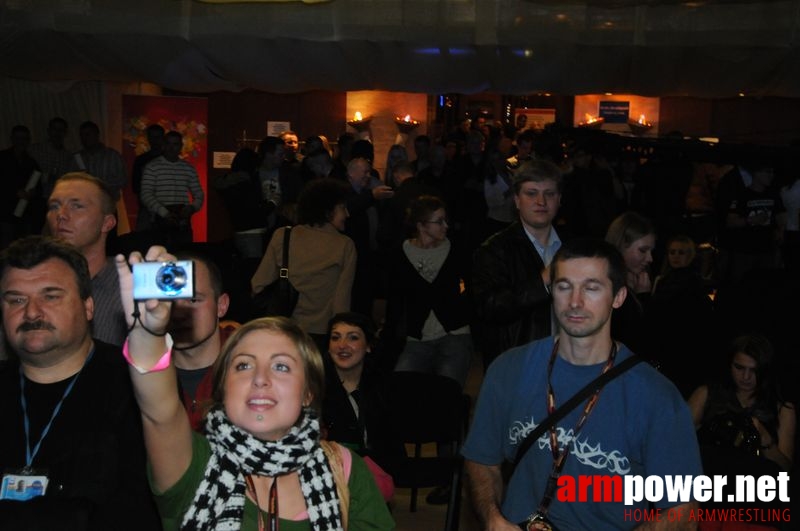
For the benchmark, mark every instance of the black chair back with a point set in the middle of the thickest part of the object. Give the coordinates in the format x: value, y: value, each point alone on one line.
x: 429, y: 408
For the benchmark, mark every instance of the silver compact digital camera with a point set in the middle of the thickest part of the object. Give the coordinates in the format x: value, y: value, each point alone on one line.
x: 163, y: 280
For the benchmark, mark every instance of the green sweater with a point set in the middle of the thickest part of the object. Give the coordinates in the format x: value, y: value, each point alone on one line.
x: 368, y: 511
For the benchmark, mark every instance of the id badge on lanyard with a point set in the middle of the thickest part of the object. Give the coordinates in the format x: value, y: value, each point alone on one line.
x: 23, y: 485
x: 29, y: 482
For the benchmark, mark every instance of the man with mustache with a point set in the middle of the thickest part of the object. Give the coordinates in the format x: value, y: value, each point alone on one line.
x: 638, y: 425
x: 82, y: 212
x: 70, y: 422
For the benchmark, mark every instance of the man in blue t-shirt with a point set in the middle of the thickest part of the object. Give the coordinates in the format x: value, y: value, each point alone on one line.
x: 638, y: 425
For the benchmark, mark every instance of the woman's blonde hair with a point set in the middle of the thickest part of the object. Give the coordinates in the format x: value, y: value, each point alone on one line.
x: 685, y: 240
x: 312, y: 360
x: 627, y: 228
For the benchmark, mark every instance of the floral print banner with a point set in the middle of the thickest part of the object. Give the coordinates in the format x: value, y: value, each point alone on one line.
x: 189, y: 117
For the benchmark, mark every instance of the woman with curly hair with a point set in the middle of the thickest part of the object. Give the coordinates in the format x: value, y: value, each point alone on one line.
x: 427, y: 302
x: 322, y: 260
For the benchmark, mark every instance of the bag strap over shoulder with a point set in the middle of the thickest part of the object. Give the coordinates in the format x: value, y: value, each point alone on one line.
x: 572, y: 403
x: 340, y: 476
x: 284, y: 271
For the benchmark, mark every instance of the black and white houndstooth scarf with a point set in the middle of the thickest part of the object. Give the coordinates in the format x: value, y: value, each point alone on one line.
x: 219, y: 502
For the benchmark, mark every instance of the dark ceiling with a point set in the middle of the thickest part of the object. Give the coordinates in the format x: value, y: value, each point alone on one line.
x: 659, y: 47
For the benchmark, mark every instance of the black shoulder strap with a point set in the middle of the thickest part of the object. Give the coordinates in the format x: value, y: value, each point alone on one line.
x: 569, y: 405
x: 286, y: 235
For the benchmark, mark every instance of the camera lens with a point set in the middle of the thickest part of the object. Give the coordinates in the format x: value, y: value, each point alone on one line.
x: 171, y: 279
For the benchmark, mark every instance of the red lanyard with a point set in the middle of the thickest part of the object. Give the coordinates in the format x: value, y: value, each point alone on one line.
x: 272, y: 509
x: 560, y: 456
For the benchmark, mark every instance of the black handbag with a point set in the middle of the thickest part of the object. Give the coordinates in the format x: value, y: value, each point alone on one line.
x: 278, y: 298
x: 731, y: 430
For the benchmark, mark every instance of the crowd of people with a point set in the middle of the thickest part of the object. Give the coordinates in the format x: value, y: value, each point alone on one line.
x: 553, y: 257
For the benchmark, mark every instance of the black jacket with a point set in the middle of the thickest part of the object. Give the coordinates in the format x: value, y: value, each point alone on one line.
x: 411, y: 298
x: 340, y: 420
x: 511, y: 302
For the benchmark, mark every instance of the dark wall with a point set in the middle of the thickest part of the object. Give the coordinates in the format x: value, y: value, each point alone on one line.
x: 231, y: 114
x: 761, y: 121
x: 746, y: 120
x: 690, y: 116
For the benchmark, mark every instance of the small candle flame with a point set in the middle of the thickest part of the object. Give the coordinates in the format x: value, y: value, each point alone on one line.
x: 407, y: 118
x: 358, y: 117
x: 642, y: 119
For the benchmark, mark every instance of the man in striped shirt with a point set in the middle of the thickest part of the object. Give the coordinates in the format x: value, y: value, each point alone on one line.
x: 171, y: 191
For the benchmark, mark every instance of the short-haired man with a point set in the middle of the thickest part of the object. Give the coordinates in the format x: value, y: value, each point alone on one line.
x: 291, y: 147
x: 362, y: 227
x: 391, y: 229
x: 155, y: 141
x: 524, y: 149
x: 422, y: 150
x: 281, y: 184
x: 198, y: 338
x: 97, y: 159
x: 81, y: 212
x: 341, y: 156
x: 638, y: 425
x: 70, y: 422
x: 463, y: 191
x: 167, y: 183
x: 510, y: 271
x: 16, y: 168
x: 318, y: 164
x: 52, y: 154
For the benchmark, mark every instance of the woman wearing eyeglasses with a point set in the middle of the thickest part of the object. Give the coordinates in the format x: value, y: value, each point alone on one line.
x: 427, y: 302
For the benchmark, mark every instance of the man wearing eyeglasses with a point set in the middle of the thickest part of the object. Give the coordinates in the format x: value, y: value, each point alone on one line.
x: 511, y: 269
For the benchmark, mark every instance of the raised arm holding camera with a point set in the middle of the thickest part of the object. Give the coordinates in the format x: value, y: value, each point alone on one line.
x: 261, y: 439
